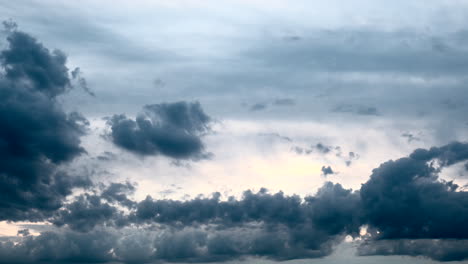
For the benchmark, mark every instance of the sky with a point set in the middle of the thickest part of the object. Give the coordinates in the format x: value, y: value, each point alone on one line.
x: 233, y: 131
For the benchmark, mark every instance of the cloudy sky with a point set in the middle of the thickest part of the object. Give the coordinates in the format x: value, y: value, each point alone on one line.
x: 234, y: 131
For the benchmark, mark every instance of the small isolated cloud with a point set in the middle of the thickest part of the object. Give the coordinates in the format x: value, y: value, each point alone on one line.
x: 410, y: 137
x: 23, y: 232
x: 275, y: 135
x: 327, y: 171
x: 322, y: 148
x: 174, y: 130
x: 356, y: 109
x: 319, y: 147
x: 352, y: 156
x: 37, y: 136
x: 284, y: 102
x: 257, y: 107
x: 292, y: 38
x: 78, y: 76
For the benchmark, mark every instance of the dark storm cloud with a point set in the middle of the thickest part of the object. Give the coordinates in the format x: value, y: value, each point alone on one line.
x: 118, y: 192
x: 36, y: 135
x: 304, y: 225
x: 166, y: 245
x: 405, y: 199
x: 260, y: 224
x: 28, y: 61
x: 103, y: 207
x: 407, y: 209
x: 170, y: 129
x: 64, y: 247
x: 86, y: 212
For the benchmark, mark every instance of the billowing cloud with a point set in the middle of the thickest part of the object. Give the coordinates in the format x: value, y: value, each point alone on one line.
x: 346, y: 67
x: 403, y: 203
x: 174, y: 130
x: 118, y: 192
x: 405, y: 199
x: 275, y: 226
x: 36, y: 134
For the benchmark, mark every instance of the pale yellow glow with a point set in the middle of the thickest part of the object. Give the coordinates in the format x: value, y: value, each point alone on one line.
x: 285, y: 166
x: 11, y: 229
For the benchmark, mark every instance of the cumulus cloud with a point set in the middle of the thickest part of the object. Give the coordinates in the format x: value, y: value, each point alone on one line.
x: 37, y: 135
x: 118, y: 192
x: 403, y: 203
x: 407, y: 208
x: 327, y: 171
x: 174, y: 130
x: 405, y: 198
x: 23, y: 232
x: 275, y: 226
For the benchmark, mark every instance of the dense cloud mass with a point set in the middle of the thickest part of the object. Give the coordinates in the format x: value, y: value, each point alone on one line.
x: 408, y: 211
x: 204, y: 229
x: 436, y: 249
x: 170, y: 129
x: 405, y: 199
x: 36, y: 134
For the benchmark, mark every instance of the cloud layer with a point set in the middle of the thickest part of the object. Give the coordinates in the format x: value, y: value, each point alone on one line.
x: 406, y: 207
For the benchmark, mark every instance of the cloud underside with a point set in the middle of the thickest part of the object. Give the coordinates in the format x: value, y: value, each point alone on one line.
x: 36, y: 134
x: 407, y: 208
x: 170, y: 129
